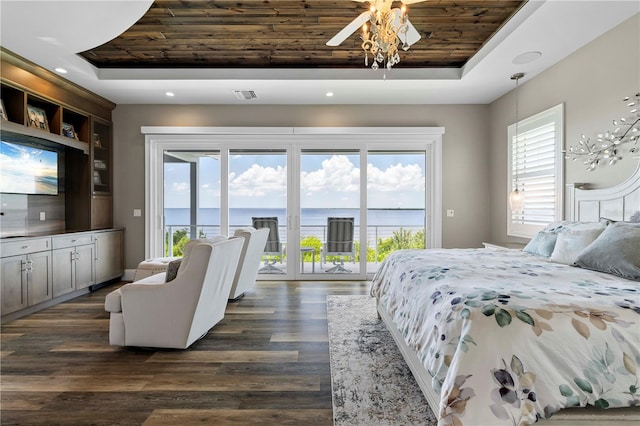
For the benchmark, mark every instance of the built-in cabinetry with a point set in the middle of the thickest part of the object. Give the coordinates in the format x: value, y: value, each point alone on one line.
x: 39, y: 104
x: 26, y: 273
x: 108, y: 256
x: 40, y: 271
x: 73, y: 259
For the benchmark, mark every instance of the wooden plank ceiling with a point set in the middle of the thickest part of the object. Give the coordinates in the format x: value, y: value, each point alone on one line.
x: 292, y: 34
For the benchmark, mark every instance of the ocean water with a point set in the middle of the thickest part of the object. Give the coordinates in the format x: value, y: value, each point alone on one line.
x: 309, y: 217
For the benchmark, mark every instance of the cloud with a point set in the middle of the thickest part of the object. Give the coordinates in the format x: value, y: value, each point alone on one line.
x: 396, y: 178
x: 258, y: 181
x: 180, y: 186
x: 337, y: 174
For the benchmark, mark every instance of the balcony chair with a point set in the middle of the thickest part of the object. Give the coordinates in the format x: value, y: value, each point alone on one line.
x: 254, y: 243
x: 339, y: 243
x: 175, y: 314
x: 273, y: 247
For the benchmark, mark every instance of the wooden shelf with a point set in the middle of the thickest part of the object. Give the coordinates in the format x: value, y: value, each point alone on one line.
x: 8, y: 126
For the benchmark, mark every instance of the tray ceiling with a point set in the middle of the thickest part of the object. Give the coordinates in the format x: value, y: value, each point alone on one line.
x: 292, y: 34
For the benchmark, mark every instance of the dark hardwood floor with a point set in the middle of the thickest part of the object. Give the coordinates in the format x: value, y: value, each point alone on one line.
x: 267, y: 362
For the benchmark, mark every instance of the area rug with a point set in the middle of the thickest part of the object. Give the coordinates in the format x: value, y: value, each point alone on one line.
x: 370, y: 381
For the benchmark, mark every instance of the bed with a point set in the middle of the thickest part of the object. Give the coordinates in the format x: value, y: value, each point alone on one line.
x: 510, y: 337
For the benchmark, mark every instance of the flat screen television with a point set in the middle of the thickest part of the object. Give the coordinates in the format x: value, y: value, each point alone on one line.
x: 28, y: 170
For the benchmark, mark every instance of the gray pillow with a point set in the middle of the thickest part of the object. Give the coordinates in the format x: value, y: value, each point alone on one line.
x: 172, y: 270
x: 542, y: 243
x: 616, y: 251
x: 572, y: 242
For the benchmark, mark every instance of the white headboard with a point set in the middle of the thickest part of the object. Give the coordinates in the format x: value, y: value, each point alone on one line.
x: 617, y: 203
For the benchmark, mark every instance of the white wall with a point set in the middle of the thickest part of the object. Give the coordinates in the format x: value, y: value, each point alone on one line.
x: 465, y: 154
x: 592, y: 83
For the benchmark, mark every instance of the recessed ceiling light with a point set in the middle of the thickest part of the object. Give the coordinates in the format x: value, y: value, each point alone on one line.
x: 329, y: 94
x: 525, y: 58
x: 170, y: 94
x: 61, y: 70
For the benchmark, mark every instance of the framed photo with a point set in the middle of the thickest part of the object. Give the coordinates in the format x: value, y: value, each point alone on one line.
x: 99, y: 164
x: 3, y: 113
x: 96, y: 140
x: 37, y: 118
x: 69, y: 131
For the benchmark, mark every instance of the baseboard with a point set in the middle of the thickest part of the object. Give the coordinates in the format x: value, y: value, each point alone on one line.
x: 128, y: 275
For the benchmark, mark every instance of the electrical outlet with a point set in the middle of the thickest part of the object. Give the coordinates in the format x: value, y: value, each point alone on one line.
x: 451, y: 213
x: 43, y: 216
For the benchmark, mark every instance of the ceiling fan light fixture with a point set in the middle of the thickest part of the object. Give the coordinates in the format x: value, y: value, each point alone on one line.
x: 383, y: 30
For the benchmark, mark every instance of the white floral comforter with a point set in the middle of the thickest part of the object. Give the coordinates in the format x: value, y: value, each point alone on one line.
x: 508, y: 337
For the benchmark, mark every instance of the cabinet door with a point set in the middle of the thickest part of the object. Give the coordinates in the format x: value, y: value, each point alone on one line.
x: 108, y: 255
x: 39, y: 280
x: 14, y: 283
x: 63, y: 273
x: 84, y: 256
x: 101, y: 211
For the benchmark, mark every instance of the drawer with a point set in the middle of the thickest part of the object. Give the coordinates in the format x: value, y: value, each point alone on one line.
x: 72, y: 240
x: 30, y: 245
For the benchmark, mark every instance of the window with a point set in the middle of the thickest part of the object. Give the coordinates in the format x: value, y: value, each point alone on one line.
x: 535, y: 168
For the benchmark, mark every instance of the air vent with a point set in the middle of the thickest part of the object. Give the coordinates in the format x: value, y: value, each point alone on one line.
x: 245, y: 94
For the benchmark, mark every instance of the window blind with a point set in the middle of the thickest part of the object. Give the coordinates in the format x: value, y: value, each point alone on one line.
x: 536, y: 170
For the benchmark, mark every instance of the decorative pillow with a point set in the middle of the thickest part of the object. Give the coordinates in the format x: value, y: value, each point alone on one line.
x: 616, y: 251
x: 542, y: 244
x: 172, y: 270
x: 570, y: 243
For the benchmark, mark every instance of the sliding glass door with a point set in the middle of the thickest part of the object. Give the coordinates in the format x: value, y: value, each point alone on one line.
x: 396, y: 203
x: 191, y: 194
x: 257, y: 193
x: 337, y: 204
x: 330, y: 211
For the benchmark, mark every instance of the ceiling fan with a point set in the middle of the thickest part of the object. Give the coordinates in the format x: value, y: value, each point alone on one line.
x: 406, y: 32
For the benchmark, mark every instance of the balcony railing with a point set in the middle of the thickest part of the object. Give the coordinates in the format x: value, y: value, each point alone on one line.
x: 375, y: 235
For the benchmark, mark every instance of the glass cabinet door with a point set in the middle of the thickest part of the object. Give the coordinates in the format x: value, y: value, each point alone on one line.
x: 101, y: 141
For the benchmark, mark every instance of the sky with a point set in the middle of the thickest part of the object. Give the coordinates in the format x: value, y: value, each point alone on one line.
x: 326, y: 181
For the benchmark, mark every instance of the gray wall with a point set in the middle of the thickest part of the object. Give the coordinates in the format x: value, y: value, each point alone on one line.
x: 465, y: 154
x: 592, y: 83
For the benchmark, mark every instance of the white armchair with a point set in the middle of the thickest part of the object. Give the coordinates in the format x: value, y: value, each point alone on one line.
x: 254, y: 242
x: 177, y: 313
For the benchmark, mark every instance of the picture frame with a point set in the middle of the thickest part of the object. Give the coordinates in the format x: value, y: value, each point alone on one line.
x: 96, y: 140
x: 37, y: 118
x: 69, y: 131
x: 99, y: 164
x: 3, y: 112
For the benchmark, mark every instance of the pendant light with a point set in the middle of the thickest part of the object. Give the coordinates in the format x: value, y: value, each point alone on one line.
x: 516, y: 197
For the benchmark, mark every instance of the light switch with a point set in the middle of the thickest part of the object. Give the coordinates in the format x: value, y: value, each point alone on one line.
x: 137, y: 212
x: 42, y: 216
x: 451, y: 213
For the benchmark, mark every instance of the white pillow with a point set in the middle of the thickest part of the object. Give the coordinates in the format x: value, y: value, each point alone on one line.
x: 571, y: 243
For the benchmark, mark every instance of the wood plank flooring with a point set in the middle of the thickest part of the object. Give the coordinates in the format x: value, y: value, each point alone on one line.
x: 266, y: 363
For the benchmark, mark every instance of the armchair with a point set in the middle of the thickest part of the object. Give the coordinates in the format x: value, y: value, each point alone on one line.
x: 273, y: 246
x: 177, y: 313
x: 254, y: 243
